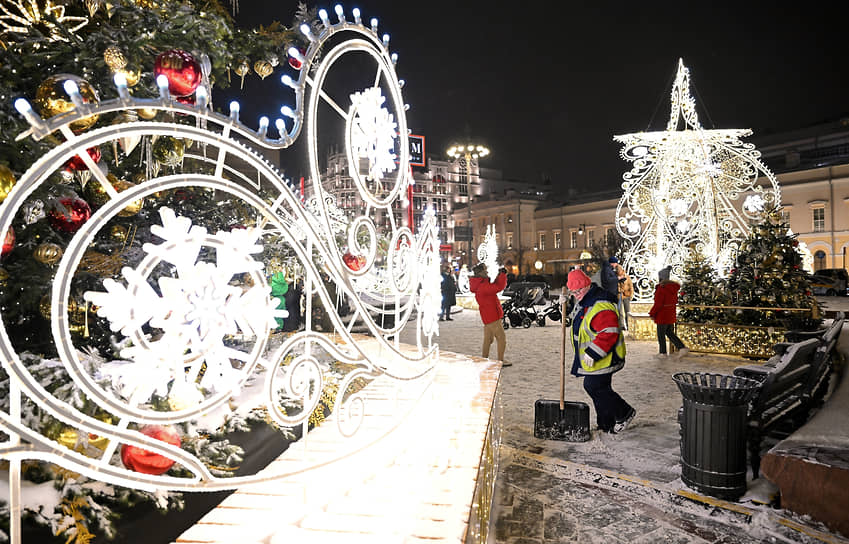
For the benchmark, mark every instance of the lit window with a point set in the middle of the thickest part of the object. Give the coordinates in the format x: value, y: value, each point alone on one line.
x: 590, y: 238
x: 573, y: 242
x: 509, y: 240
x: 557, y: 240
x: 541, y: 244
x: 819, y: 219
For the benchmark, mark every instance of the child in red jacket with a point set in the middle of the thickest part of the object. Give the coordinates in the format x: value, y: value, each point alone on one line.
x: 664, y: 312
x: 486, y: 295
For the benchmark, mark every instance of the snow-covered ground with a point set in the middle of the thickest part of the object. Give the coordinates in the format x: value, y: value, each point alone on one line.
x: 540, y: 480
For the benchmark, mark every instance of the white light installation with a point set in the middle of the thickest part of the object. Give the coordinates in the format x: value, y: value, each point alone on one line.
x: 488, y: 252
x: 180, y: 303
x: 807, y: 256
x: 681, y: 195
x: 197, y: 309
x: 373, y: 132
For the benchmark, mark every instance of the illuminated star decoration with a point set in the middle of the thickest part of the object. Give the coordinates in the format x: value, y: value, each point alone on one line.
x: 22, y: 16
x: 681, y: 193
x: 373, y: 132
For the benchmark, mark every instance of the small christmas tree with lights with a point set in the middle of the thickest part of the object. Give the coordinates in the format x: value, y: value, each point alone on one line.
x: 701, y: 286
x: 769, y: 274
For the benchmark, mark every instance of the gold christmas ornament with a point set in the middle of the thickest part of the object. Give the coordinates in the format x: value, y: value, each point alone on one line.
x: 132, y: 76
x: 97, y: 196
x: 114, y: 58
x: 48, y: 253
x: 147, y: 113
x: 133, y: 207
x: 70, y: 439
x: 7, y: 181
x: 168, y: 150
x: 263, y: 68
x: 242, y: 70
x: 51, y: 99
x: 118, y: 233
x: 44, y: 306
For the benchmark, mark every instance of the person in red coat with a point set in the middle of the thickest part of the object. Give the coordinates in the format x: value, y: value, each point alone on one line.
x: 486, y: 295
x: 664, y: 312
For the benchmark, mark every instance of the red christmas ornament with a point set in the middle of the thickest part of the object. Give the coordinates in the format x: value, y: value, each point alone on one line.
x: 354, y: 262
x: 146, y: 462
x: 69, y: 214
x: 76, y: 163
x: 8, y: 242
x: 181, y: 69
x: 294, y: 62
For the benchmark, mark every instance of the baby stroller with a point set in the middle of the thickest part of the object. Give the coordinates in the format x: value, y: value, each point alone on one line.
x: 512, y: 314
x: 520, y: 309
x: 552, y: 312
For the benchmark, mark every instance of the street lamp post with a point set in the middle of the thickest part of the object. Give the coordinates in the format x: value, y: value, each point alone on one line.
x: 466, y: 154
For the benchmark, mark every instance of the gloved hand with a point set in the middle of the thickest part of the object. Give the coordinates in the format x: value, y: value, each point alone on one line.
x: 502, y: 270
x: 588, y: 360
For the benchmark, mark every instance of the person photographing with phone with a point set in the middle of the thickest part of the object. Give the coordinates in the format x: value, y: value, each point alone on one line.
x: 486, y: 295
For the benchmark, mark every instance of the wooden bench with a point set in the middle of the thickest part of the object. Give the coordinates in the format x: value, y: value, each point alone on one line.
x: 781, y: 397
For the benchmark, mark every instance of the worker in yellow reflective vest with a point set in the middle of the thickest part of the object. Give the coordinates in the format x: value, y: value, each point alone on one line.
x: 599, y: 347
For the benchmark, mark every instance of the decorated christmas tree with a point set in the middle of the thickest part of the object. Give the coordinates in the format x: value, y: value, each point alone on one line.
x: 768, y: 274
x: 196, y: 47
x: 702, y: 286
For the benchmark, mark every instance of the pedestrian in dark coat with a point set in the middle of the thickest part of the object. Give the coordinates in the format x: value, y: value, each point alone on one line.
x: 664, y: 312
x: 293, y: 304
x: 609, y: 278
x: 599, y: 348
x: 449, y: 293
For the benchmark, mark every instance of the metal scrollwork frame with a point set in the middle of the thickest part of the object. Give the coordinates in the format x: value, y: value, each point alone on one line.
x: 399, y: 279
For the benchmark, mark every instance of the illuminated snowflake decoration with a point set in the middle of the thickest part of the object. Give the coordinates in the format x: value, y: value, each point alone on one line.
x: 754, y: 204
x: 23, y: 18
x: 194, y: 311
x: 681, y: 194
x: 373, y: 132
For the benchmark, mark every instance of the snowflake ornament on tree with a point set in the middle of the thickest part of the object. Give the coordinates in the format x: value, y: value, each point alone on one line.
x: 195, y: 311
x: 373, y: 132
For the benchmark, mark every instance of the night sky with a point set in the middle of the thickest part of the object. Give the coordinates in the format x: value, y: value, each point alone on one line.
x: 546, y: 85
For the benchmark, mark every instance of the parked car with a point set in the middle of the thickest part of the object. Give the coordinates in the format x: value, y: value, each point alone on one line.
x: 839, y: 275
x: 824, y: 285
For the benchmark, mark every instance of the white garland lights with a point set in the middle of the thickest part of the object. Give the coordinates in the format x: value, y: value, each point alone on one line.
x: 197, y: 309
x: 681, y: 193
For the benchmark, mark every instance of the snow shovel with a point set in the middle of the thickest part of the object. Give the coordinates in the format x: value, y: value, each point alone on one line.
x: 561, y: 420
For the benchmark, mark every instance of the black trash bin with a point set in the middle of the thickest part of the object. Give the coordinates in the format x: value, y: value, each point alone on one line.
x: 713, y: 432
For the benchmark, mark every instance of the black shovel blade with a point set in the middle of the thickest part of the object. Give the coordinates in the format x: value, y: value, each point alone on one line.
x: 572, y: 424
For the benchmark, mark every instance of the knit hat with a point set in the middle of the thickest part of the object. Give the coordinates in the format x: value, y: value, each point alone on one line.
x: 663, y: 275
x: 613, y: 259
x: 577, y: 280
